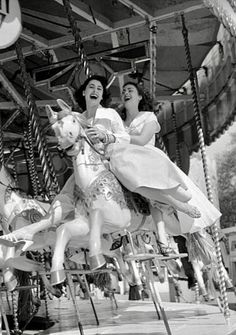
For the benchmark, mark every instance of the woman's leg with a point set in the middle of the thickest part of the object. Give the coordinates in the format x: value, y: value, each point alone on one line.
x: 163, y: 197
x: 179, y: 193
x: 159, y: 225
x: 55, y: 215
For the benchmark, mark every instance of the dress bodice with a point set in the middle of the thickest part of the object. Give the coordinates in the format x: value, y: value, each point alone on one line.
x: 136, y: 126
x: 109, y: 120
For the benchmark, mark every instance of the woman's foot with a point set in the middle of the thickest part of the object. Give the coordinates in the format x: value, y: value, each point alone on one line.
x: 190, y: 210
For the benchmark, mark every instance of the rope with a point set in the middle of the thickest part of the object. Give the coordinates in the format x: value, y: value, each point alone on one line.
x: 196, y: 107
x: 50, y: 178
x: 78, y: 40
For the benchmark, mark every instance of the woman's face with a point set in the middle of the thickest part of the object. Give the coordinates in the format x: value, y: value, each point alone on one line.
x: 130, y: 96
x: 93, y: 92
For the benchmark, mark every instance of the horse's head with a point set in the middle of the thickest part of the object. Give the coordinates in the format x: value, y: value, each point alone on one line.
x: 67, y: 125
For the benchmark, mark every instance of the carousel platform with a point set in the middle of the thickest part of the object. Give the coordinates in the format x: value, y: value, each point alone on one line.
x: 135, y: 318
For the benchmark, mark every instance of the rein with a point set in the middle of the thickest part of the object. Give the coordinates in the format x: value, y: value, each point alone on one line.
x: 93, y: 147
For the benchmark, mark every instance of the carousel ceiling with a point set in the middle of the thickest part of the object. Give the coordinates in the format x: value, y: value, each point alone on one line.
x: 114, y: 38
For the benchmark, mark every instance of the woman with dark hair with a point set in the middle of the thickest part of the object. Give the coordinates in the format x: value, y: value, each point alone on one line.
x: 147, y: 170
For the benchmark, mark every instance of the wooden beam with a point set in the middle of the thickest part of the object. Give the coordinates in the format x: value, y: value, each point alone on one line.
x: 84, y: 11
x: 55, y: 19
x: 38, y: 22
x: 35, y: 39
x: 8, y: 105
x: 128, y: 23
x: 27, y: 35
x: 172, y: 98
x: 137, y: 9
x: 11, y: 89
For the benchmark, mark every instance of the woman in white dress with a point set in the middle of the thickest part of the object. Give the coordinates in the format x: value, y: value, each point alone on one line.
x: 148, y: 170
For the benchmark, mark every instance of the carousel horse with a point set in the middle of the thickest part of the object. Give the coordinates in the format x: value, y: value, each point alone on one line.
x: 16, y: 210
x: 20, y: 212
x: 101, y: 198
x: 202, y: 255
x: 102, y: 205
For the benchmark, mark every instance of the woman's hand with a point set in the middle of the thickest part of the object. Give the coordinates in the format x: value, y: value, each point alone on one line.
x: 95, y: 134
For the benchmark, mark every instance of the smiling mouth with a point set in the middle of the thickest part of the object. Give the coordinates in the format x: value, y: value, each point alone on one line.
x: 93, y: 96
x: 127, y: 98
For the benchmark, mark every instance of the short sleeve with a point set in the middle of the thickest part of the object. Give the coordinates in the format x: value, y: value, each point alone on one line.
x: 150, y: 117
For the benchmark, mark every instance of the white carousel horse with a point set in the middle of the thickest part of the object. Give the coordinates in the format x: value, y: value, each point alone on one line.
x: 15, y: 210
x: 202, y: 254
x: 14, y: 207
x: 19, y: 211
x: 101, y: 198
x: 101, y: 207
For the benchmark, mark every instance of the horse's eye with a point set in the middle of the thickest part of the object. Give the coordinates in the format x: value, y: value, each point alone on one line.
x: 70, y: 134
x: 73, y: 120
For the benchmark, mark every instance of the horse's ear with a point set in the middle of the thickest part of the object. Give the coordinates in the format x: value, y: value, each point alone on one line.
x: 63, y: 105
x: 51, y: 114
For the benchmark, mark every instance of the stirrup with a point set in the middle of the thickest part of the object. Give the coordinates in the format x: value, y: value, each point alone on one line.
x: 58, y: 277
x: 117, y: 243
x: 97, y: 261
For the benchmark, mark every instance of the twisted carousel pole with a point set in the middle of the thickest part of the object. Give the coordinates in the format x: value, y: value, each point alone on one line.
x: 49, y: 174
x: 1, y: 143
x: 28, y: 144
x: 79, y: 48
x: 153, y: 74
x: 196, y: 107
x: 174, y: 122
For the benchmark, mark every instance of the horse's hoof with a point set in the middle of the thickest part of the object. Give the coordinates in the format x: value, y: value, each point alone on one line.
x: 58, y: 277
x: 96, y: 261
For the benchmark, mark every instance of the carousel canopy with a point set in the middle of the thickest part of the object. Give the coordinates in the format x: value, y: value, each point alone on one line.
x: 62, y: 40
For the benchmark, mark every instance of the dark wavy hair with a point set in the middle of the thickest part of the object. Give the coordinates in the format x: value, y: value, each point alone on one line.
x: 144, y: 104
x: 79, y: 97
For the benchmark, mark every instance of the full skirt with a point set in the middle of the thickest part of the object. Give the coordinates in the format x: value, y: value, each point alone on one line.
x: 137, y: 166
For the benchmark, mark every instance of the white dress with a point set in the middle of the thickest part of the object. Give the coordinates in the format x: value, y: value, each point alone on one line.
x: 107, y: 119
x: 137, y: 166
